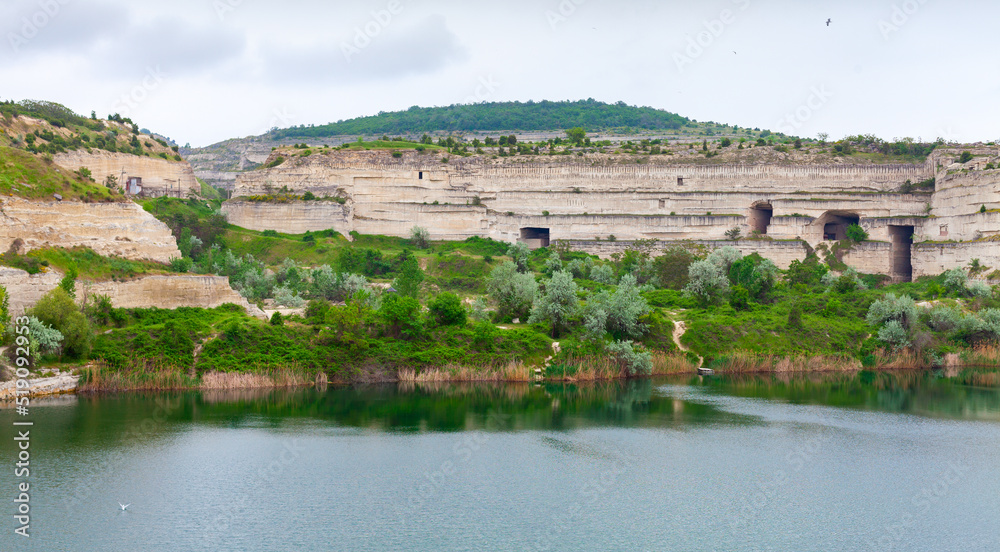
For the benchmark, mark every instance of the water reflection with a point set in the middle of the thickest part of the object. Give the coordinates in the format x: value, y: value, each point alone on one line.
x: 966, y: 394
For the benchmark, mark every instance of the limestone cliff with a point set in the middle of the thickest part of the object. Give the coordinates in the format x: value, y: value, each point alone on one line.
x: 538, y: 199
x: 159, y: 176
x: 167, y: 291
x: 110, y: 229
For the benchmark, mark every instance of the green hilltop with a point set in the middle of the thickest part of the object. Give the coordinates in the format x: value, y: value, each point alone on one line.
x: 589, y: 114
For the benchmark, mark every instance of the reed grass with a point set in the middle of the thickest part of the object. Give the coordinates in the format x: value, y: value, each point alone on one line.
x: 988, y: 355
x: 750, y: 362
x: 514, y: 371
x: 143, y: 374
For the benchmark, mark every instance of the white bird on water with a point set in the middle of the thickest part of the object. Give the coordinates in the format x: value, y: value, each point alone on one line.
x: 124, y: 506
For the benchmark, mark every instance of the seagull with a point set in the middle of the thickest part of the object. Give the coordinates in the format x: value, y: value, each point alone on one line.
x: 124, y: 506
x: 828, y: 22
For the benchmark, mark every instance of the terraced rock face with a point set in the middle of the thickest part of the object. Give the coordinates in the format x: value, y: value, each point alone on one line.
x: 110, y: 229
x: 159, y: 176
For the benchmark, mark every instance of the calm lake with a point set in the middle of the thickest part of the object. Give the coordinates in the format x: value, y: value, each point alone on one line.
x: 827, y: 463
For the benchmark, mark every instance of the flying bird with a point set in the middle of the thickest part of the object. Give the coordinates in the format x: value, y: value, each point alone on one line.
x: 828, y: 22
x: 124, y: 506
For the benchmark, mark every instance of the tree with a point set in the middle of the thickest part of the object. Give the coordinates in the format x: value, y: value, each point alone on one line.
x: 68, y: 282
x: 671, y: 268
x: 576, y: 135
x: 734, y: 233
x: 58, y: 310
x: 400, y: 316
x: 447, y: 310
x: 707, y: 282
x: 410, y: 277
x: 558, y: 304
x: 513, y: 292
x: 755, y: 274
x: 618, y: 312
x: 809, y: 271
x: 856, y: 233
x: 518, y: 252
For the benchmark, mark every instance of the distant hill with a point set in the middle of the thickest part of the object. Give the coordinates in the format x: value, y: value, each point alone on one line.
x: 545, y: 115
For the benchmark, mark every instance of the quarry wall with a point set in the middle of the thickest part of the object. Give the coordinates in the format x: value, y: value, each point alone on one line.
x: 159, y: 176
x: 110, y: 229
x: 583, y: 200
x: 161, y: 291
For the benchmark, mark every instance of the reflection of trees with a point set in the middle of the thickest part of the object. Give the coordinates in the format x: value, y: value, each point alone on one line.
x: 918, y: 391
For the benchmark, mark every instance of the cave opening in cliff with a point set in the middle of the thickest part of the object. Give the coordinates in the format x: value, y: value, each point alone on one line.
x: 835, y: 224
x: 902, y: 242
x: 760, y: 217
x: 535, y: 237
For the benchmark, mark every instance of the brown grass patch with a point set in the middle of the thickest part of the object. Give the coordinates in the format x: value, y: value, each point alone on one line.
x: 514, y: 371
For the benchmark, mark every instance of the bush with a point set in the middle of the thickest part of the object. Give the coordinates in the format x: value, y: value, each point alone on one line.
x: 400, y: 316
x: 955, y: 280
x: 739, y: 299
x: 890, y: 307
x: 58, y: 310
x: 419, y: 237
x: 181, y: 264
x: 808, y: 272
x: 965, y: 157
x: 270, y: 233
x: 447, y: 310
x: 856, y: 233
x: 514, y: 292
x: 895, y: 335
x: 276, y: 319
x: 634, y: 363
x: 671, y: 268
x: 286, y: 297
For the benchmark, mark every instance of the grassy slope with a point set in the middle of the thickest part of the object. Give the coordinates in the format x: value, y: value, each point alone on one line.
x: 89, y: 265
x: 25, y: 175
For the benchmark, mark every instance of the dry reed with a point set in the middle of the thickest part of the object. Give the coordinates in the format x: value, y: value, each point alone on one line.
x: 750, y: 362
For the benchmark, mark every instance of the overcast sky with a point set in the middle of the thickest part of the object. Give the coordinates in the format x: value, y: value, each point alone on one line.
x: 201, y: 71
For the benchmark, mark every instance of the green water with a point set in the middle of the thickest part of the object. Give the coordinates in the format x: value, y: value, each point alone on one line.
x: 858, y: 462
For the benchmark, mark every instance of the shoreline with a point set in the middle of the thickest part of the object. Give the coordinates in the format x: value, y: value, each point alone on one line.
x: 69, y: 384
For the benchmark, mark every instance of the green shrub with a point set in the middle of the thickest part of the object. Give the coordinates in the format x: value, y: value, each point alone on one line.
x: 447, y: 310
x: 58, y: 310
x: 856, y: 233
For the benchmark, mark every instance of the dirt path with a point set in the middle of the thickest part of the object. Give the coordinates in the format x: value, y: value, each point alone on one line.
x: 679, y: 329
